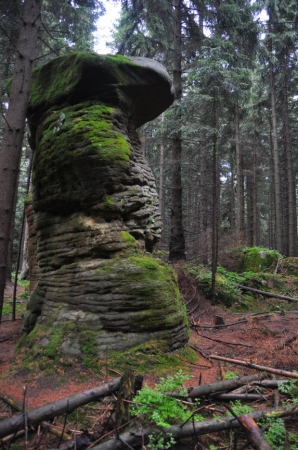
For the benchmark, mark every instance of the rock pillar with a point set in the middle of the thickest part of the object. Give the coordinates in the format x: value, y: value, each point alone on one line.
x: 96, y: 215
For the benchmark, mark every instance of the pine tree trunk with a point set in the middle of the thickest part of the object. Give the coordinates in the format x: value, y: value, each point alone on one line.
x: 14, y: 128
x: 255, y: 196
x: 249, y: 208
x: 214, y: 204
x: 291, y: 193
x: 203, y: 204
x: 239, y: 169
x: 278, y: 211
x: 177, y: 240
x: 161, y: 175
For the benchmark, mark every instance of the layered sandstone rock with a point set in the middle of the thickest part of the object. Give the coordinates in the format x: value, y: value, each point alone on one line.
x: 96, y: 215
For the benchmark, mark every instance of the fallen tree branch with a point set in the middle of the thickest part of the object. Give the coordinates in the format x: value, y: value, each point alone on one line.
x: 224, y: 342
x: 267, y: 294
x: 51, y: 410
x: 286, y: 342
x: 201, y: 325
x: 13, y: 403
x: 224, y: 385
x: 254, y: 434
x: 284, y: 373
x: 271, y: 384
x: 135, y: 438
x: 242, y: 397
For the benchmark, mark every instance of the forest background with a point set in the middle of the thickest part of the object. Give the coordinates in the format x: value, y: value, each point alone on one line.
x: 225, y: 154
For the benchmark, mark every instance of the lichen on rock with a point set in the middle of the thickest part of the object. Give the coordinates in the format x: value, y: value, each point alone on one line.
x: 94, y: 212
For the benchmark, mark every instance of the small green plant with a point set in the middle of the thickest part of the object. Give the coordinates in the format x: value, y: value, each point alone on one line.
x: 231, y: 375
x: 160, y: 442
x: 276, y: 434
x: 158, y: 407
x: 290, y: 388
x: 239, y: 408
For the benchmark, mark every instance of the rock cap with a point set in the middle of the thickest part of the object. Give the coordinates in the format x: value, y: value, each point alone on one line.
x: 140, y: 85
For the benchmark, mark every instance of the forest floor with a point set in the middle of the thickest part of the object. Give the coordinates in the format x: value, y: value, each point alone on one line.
x: 258, y: 337
x: 253, y: 337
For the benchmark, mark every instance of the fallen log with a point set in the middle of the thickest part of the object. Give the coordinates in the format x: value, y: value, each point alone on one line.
x: 271, y: 384
x: 13, y: 403
x: 224, y: 385
x: 284, y: 373
x: 232, y: 397
x: 51, y: 410
x: 267, y: 294
x: 287, y: 341
x: 254, y: 434
x: 201, y: 325
x: 140, y: 436
x: 223, y: 342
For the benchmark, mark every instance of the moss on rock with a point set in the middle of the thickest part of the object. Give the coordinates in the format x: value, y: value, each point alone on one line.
x: 96, y: 212
x: 258, y: 259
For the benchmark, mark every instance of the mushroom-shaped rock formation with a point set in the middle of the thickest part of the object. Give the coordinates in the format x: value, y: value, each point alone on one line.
x: 94, y: 213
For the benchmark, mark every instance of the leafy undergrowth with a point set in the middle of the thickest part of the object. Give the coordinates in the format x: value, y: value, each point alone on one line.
x: 239, y: 290
x: 22, y: 296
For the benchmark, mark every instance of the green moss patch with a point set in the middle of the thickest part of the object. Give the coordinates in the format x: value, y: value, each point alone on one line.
x: 289, y: 266
x: 258, y: 259
x: 127, y: 237
x: 151, y: 358
x: 41, y: 350
x: 77, y: 74
x: 74, y: 154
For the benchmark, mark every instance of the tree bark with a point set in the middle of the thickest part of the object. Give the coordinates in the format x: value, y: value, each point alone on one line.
x: 277, y: 186
x: 177, y: 239
x: 206, y: 390
x: 255, y: 195
x: 254, y: 434
x: 291, y: 185
x: 267, y: 294
x: 14, y: 128
x: 239, y: 170
x: 204, y: 242
x: 284, y: 373
x: 215, y: 207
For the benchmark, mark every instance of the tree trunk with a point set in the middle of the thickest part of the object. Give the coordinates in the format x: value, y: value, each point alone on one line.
x: 291, y: 194
x: 161, y: 175
x: 214, y: 204
x: 177, y: 240
x: 14, y: 129
x: 278, y: 211
x: 254, y: 195
x: 204, y: 252
x: 239, y: 170
x: 254, y: 434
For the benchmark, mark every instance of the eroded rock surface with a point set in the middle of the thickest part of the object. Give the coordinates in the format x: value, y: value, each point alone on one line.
x: 96, y: 212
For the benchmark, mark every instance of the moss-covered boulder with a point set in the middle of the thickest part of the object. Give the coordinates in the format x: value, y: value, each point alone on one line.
x: 289, y: 266
x: 94, y: 213
x: 258, y: 259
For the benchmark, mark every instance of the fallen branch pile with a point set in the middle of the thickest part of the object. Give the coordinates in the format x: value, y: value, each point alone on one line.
x: 119, y: 430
